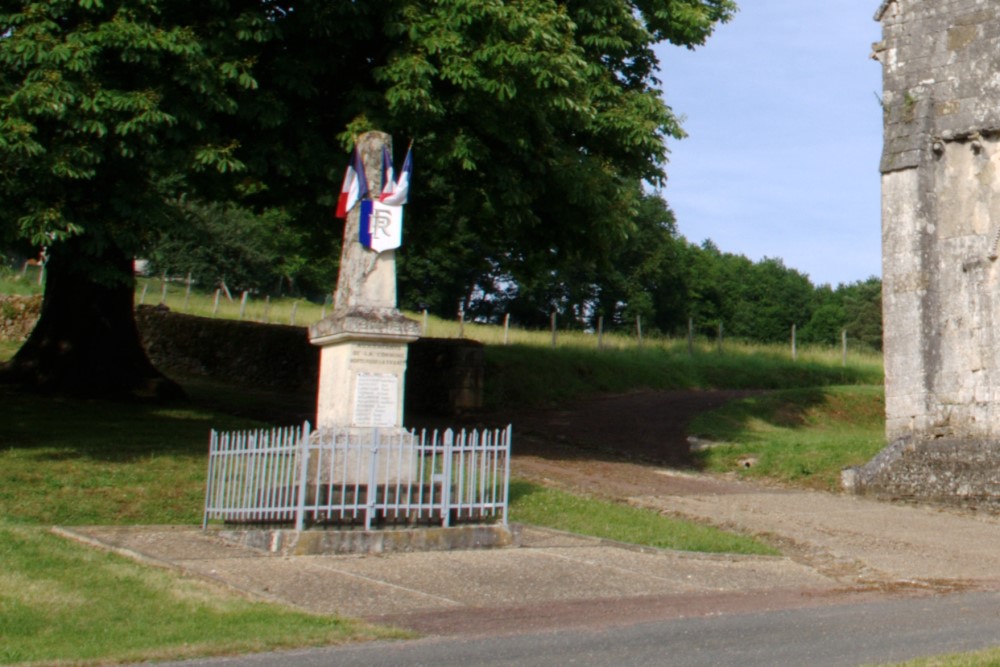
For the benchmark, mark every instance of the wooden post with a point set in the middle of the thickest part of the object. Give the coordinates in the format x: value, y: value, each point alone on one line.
x: 720, y: 337
x: 243, y: 305
x: 163, y: 288
x: 291, y: 318
x: 638, y: 328
x: 423, y: 327
x: 506, y: 328
x: 691, y: 335
x: 795, y: 352
x: 187, y: 293
x: 843, y: 346
x: 600, y: 332
x: 215, y: 306
x: 552, y: 325
x: 461, y: 322
x: 142, y: 297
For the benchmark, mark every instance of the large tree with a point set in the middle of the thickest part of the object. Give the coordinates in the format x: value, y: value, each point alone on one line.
x: 533, y: 121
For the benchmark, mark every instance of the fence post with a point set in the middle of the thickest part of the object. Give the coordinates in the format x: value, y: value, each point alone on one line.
x: 461, y: 322
x: 506, y: 328
x: 213, y: 445
x: 243, y: 305
x: 690, y: 335
x: 163, y: 288
x: 600, y: 332
x: 291, y: 318
x: 552, y: 325
x: 795, y: 352
x: 506, y: 472
x: 720, y: 337
x: 843, y: 345
x: 187, y: 293
x: 372, y: 480
x: 423, y: 328
x: 142, y: 297
x: 215, y: 306
x: 300, y: 505
x: 447, y: 446
x: 638, y: 328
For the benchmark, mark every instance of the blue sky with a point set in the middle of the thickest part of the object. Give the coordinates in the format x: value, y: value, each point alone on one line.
x: 784, y: 139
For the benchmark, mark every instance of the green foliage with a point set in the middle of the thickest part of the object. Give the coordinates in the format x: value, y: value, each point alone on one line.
x: 262, y: 252
x: 541, y: 506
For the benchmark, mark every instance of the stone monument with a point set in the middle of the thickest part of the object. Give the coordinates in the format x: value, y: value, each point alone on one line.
x: 940, y: 229
x: 363, y: 343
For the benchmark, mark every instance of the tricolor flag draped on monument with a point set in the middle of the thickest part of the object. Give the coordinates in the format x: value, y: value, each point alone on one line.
x: 354, y: 187
x: 401, y: 188
x: 381, y: 222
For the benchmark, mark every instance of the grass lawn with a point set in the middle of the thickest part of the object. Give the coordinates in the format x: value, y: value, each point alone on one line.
x: 75, y: 462
x: 802, y: 437
x: 60, y: 601
x: 539, y: 505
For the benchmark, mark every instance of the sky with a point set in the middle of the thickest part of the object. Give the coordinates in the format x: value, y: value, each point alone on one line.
x: 785, y: 131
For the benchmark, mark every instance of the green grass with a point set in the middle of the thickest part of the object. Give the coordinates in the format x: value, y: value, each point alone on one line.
x: 63, y: 602
x: 14, y: 282
x: 526, y: 374
x: 543, y: 506
x: 985, y: 658
x: 799, y: 436
x: 73, y: 462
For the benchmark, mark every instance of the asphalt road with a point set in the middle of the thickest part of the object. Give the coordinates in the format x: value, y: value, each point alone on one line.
x: 883, y: 631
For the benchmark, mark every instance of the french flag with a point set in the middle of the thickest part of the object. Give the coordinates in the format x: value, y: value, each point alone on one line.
x: 401, y: 189
x: 354, y: 187
x: 388, y: 179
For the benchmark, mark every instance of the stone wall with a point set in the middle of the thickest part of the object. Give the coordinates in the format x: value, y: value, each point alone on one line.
x: 941, y: 217
x: 940, y: 233
x: 444, y: 376
x: 947, y: 471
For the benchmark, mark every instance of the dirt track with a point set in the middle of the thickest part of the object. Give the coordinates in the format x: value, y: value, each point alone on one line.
x: 604, y: 446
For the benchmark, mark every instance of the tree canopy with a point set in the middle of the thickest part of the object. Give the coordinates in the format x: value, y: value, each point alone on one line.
x: 533, y: 122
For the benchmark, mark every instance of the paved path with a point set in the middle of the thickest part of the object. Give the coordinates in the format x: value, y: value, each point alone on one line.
x: 856, y: 540
x: 839, y: 549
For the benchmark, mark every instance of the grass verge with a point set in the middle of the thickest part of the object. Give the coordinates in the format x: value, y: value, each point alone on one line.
x: 803, y: 437
x: 536, y: 375
x: 543, y: 506
x: 985, y: 658
x: 62, y: 602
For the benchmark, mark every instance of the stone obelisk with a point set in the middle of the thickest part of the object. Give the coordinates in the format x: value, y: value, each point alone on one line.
x: 364, y: 341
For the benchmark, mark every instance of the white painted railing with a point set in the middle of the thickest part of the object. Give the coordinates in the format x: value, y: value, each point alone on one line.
x: 357, y: 477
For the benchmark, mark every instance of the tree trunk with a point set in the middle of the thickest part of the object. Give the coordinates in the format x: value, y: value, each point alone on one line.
x: 86, y: 342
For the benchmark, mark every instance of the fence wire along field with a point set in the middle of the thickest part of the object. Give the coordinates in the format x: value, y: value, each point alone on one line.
x: 357, y: 477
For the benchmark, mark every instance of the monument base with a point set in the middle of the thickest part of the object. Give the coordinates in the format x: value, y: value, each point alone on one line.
x: 362, y: 367
x: 949, y: 471
x: 331, y: 542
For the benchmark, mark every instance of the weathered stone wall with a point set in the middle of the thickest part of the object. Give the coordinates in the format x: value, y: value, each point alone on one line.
x: 444, y: 376
x: 941, y: 217
x: 940, y: 231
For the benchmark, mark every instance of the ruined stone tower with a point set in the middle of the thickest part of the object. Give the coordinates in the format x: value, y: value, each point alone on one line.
x: 940, y: 233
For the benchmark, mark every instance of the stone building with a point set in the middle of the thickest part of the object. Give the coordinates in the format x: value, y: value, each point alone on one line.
x: 940, y: 171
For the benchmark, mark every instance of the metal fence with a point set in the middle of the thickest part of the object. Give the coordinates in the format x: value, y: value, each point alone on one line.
x: 353, y: 476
